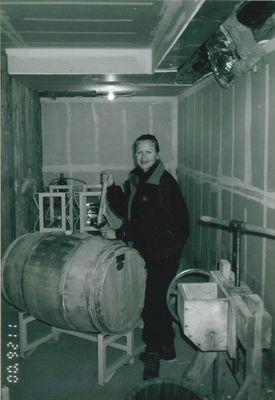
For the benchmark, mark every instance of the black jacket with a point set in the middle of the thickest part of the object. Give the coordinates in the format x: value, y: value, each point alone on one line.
x: 154, y: 213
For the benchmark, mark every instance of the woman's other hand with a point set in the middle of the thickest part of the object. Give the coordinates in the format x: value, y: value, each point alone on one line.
x: 107, y: 177
x: 107, y: 232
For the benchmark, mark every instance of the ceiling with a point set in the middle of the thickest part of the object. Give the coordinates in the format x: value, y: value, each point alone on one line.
x: 74, y: 47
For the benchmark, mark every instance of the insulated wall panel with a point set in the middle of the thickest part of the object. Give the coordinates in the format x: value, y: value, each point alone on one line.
x: 204, y: 113
x: 84, y: 136
x: 205, y: 230
x: 239, y: 130
x: 182, y: 142
x: 162, y: 118
x: 226, y: 131
x: 213, y: 233
x: 196, y: 230
x: 112, y: 148
x: 269, y: 272
x: 239, y: 169
x: 270, y: 123
x: 258, y: 116
x: 216, y: 118
x: 56, y: 135
x: 81, y: 122
x: 198, y: 129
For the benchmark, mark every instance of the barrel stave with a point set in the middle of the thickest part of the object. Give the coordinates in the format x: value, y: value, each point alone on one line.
x: 43, y: 274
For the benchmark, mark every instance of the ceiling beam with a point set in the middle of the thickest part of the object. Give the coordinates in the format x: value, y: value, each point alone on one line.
x: 31, y: 61
x: 176, y: 16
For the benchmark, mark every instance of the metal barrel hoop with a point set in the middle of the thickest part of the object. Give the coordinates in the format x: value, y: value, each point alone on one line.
x: 172, y: 289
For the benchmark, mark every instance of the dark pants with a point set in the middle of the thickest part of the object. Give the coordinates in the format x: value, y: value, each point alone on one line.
x: 158, y: 329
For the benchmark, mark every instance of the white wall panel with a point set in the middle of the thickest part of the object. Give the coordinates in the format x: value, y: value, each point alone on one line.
x: 232, y: 132
x: 82, y: 136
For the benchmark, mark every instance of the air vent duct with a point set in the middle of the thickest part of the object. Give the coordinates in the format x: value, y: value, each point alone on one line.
x: 232, y: 51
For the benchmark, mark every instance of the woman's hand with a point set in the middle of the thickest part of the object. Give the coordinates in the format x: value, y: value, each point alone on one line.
x: 107, y: 177
x: 107, y: 232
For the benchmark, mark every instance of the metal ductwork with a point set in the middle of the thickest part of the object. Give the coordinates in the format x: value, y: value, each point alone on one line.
x: 234, y: 47
x: 232, y: 51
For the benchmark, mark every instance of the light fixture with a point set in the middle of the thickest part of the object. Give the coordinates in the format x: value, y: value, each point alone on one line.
x: 111, y: 95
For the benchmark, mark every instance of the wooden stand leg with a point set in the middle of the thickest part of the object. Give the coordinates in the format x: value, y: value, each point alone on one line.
x: 251, y: 388
x: 26, y: 348
x: 101, y: 359
x: 130, y: 345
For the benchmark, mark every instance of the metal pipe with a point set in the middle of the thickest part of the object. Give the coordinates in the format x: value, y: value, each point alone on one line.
x: 238, y: 228
x: 246, y: 228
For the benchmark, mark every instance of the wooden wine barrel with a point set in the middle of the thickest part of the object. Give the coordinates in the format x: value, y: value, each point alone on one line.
x: 76, y: 282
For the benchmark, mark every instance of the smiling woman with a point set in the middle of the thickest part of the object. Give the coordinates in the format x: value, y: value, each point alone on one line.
x: 146, y: 153
x: 155, y: 222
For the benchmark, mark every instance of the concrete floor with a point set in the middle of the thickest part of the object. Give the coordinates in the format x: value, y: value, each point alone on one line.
x: 67, y: 369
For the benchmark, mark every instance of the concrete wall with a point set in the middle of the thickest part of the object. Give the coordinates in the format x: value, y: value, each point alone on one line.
x: 21, y: 156
x: 83, y: 136
x: 226, y: 150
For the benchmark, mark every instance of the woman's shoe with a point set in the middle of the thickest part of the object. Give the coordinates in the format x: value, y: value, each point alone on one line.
x: 167, y: 352
x: 151, y: 366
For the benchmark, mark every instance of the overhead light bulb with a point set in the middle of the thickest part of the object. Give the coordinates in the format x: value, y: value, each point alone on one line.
x: 111, y: 96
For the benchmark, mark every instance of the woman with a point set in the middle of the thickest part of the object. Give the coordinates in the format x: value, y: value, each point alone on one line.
x: 155, y: 222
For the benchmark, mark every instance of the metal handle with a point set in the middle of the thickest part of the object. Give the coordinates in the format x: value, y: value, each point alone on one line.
x: 172, y: 287
x: 102, y: 204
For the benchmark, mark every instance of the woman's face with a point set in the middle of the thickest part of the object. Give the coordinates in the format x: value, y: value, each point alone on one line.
x: 146, y: 154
